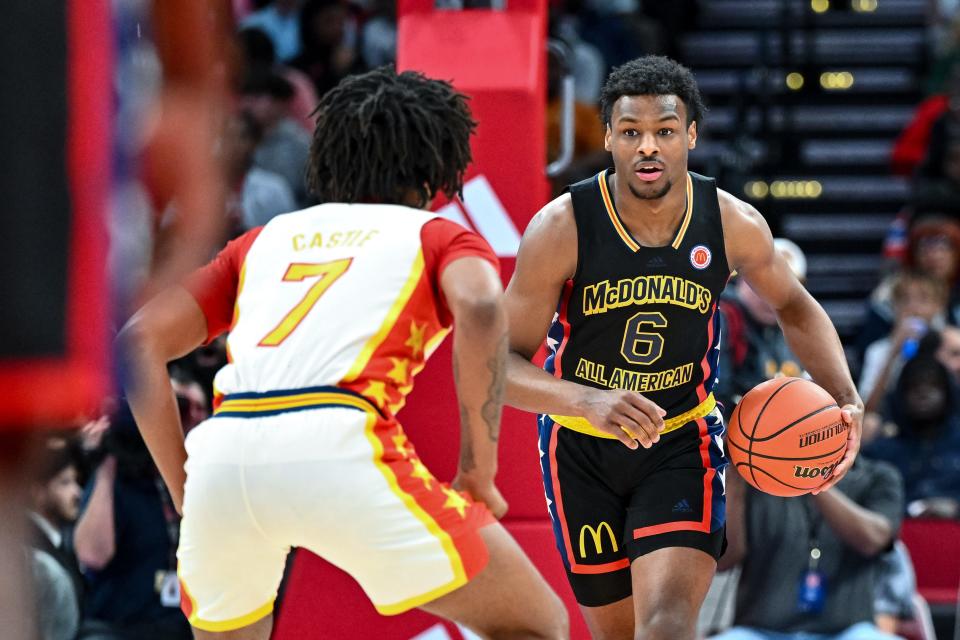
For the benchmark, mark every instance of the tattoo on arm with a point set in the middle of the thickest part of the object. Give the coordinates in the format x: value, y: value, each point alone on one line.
x: 467, y: 461
x: 493, y: 406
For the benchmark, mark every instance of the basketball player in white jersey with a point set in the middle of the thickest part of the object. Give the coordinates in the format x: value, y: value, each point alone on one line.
x: 331, y: 311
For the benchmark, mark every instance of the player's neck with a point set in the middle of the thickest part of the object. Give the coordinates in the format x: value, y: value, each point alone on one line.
x: 652, y: 223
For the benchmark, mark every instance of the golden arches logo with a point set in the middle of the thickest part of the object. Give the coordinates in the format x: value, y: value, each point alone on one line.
x: 597, y: 539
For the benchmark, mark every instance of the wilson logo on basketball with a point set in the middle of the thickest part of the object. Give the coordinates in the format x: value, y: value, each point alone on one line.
x: 813, y: 437
x: 700, y: 257
x: 814, y: 472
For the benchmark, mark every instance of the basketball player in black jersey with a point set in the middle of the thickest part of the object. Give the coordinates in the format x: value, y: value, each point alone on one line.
x: 622, y: 276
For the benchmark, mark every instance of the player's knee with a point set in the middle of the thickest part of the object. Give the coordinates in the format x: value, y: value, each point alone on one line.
x: 667, y: 622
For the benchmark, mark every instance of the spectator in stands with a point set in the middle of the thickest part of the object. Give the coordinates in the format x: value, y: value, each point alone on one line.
x: 753, y: 348
x: 895, y: 590
x: 54, y: 506
x: 913, y: 142
x: 919, y: 303
x: 921, y: 437
x: 127, y: 538
x: 810, y: 564
x: 255, y: 195
x: 378, y: 38
x: 259, y: 55
x: 280, y: 20
x: 285, y: 146
x: 948, y: 350
x: 933, y: 246
x: 329, y: 43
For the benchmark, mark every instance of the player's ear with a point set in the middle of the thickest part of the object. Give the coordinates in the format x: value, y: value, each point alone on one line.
x: 607, y: 137
x: 692, y: 135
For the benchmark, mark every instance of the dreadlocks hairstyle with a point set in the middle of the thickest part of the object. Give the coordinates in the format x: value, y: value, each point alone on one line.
x: 383, y: 135
x: 652, y: 76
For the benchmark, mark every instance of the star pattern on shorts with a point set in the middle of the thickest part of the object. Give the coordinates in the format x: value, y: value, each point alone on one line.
x: 400, y: 442
x: 417, y: 338
x: 376, y: 391
x: 420, y: 471
x: 400, y: 372
x: 456, y: 501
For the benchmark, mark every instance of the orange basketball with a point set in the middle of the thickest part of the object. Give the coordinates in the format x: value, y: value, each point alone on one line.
x: 786, y: 436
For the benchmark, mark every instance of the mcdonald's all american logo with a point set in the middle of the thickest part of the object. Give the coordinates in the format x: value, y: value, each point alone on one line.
x: 487, y: 214
x: 597, y: 536
x: 700, y: 257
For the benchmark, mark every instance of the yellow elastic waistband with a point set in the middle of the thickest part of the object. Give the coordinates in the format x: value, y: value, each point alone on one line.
x: 582, y: 425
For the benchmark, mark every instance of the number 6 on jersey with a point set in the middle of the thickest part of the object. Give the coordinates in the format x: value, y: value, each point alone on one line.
x: 328, y: 272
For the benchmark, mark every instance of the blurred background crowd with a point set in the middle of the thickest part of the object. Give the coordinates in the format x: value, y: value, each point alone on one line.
x: 839, y: 120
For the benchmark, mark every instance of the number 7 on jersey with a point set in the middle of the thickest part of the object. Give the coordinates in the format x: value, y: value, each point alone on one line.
x: 327, y: 272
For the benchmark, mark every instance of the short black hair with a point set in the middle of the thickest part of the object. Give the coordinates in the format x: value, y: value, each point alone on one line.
x: 262, y: 81
x: 257, y: 47
x: 383, y: 135
x: 652, y: 76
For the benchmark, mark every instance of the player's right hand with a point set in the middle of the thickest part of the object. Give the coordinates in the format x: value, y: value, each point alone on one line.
x: 483, y: 491
x: 627, y: 415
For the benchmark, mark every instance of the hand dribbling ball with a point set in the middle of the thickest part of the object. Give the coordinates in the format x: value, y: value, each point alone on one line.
x: 786, y: 436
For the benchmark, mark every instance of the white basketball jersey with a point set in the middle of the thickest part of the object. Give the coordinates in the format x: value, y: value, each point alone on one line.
x: 334, y: 295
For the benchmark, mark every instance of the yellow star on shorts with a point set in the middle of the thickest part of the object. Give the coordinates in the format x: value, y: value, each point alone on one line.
x: 456, y: 501
x: 400, y: 442
x: 400, y: 372
x: 421, y: 471
x: 416, y: 339
x: 376, y: 391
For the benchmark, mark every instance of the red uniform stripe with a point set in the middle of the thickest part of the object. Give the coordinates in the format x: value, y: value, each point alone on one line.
x: 704, y: 524
x: 616, y: 565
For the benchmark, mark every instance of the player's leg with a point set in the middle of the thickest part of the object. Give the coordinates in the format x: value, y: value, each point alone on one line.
x: 611, y: 621
x: 259, y: 630
x: 669, y: 586
x: 676, y: 522
x: 230, y: 558
x: 508, y: 598
x: 588, y: 523
x: 414, y: 542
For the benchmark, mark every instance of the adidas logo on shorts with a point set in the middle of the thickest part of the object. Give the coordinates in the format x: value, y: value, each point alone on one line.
x: 682, y: 507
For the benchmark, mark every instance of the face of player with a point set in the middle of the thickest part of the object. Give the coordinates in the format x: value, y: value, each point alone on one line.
x: 59, y: 499
x: 650, y: 140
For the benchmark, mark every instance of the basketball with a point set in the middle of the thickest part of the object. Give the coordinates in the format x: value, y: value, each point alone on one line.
x: 786, y: 436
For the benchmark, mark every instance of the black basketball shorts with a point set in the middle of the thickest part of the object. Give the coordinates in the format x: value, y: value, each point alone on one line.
x: 610, y: 504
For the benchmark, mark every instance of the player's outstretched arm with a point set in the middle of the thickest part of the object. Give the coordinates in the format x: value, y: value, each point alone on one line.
x: 546, y: 260
x: 169, y: 326
x: 474, y: 294
x: 806, y: 326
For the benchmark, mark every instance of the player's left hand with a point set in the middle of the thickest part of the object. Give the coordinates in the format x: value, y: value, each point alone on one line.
x: 853, y: 416
x: 484, y: 491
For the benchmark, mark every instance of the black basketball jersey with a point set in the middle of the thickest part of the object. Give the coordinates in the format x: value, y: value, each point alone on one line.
x: 643, y: 318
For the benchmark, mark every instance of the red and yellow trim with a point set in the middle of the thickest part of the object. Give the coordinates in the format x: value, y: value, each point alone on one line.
x: 575, y: 567
x: 612, y: 212
x: 622, y: 231
x: 189, y: 607
x: 703, y: 525
x: 449, y: 516
x: 687, y: 215
x: 389, y: 321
